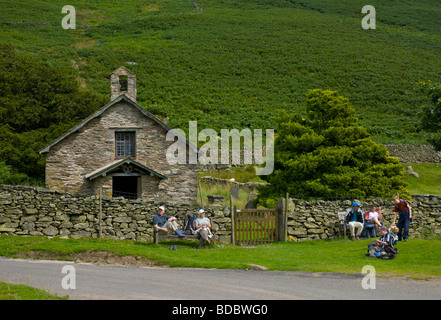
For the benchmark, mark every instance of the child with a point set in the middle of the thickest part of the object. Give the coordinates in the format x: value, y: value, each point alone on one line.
x: 383, y: 248
x: 386, y: 239
x: 394, y: 229
x: 393, y: 232
x: 405, y: 211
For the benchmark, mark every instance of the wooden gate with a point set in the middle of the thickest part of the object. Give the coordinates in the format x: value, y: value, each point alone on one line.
x: 256, y: 226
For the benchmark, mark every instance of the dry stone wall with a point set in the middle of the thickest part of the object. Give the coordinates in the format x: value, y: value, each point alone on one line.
x: 414, y: 153
x: 29, y: 211
x: 93, y: 146
x: 309, y: 220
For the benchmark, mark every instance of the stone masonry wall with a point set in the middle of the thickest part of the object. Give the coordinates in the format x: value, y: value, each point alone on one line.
x: 414, y: 154
x: 29, y: 211
x: 93, y: 146
x: 308, y: 220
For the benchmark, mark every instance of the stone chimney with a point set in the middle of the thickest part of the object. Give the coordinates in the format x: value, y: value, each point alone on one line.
x: 123, y: 81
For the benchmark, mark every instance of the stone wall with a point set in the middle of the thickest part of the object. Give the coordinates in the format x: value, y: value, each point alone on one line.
x: 115, y: 85
x: 308, y: 220
x: 29, y: 211
x: 414, y: 154
x: 405, y: 153
x: 92, y: 147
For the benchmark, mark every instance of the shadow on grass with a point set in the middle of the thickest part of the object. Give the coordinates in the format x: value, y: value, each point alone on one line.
x: 183, y: 244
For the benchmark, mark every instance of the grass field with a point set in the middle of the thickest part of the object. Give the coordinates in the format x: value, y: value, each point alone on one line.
x: 418, y: 259
x: 236, y: 62
x: 429, y: 180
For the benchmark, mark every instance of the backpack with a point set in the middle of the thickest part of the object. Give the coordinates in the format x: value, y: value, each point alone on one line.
x: 405, y: 204
x: 190, y: 223
x: 386, y: 253
x: 373, y: 250
x: 394, y: 238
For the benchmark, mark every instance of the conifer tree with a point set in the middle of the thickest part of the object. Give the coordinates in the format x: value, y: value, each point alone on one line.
x: 327, y: 154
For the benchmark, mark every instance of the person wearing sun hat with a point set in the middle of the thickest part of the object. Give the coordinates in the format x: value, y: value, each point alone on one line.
x: 166, y: 223
x: 203, y: 225
x: 354, y: 220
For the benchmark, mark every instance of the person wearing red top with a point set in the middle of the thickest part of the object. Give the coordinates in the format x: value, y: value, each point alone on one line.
x: 405, y: 211
x: 374, y: 217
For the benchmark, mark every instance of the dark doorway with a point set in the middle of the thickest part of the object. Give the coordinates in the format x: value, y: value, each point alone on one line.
x: 125, y: 186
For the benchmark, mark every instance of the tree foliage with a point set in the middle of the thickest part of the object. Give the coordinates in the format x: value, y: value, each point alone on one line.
x: 37, y: 103
x: 327, y: 154
x: 431, y: 114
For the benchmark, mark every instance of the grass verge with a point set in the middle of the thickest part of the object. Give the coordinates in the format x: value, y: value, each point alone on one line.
x: 21, y: 292
x: 417, y: 258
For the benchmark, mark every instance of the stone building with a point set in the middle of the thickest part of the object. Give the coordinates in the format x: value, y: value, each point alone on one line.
x: 120, y: 148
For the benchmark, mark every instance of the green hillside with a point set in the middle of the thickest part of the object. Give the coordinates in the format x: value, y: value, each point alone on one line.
x: 234, y: 63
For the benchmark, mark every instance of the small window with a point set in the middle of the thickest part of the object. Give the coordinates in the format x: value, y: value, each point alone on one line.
x: 125, y: 144
x: 123, y: 83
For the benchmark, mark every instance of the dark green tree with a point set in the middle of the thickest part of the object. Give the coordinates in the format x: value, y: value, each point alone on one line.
x: 38, y: 102
x: 327, y: 154
x: 431, y: 113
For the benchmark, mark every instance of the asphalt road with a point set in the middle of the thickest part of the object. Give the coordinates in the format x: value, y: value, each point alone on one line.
x: 123, y: 282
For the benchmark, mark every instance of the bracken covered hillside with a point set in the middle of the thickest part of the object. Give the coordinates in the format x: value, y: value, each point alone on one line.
x: 231, y: 64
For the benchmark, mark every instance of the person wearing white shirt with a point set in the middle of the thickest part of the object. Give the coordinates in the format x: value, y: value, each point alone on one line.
x: 374, y: 216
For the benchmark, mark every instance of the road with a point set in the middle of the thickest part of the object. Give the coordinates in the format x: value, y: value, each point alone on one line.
x: 108, y: 282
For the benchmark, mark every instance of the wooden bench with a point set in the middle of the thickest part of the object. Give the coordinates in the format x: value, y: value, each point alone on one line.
x: 160, y: 235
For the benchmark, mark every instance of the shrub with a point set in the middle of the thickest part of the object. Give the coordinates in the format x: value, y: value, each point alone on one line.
x: 327, y: 154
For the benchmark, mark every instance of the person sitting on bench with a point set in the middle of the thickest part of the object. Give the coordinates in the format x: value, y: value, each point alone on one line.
x: 203, y: 231
x: 354, y: 220
x: 372, y: 219
x: 166, y: 223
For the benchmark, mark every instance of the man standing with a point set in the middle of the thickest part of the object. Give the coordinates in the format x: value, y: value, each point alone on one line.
x: 405, y: 212
x: 166, y: 223
x: 354, y: 219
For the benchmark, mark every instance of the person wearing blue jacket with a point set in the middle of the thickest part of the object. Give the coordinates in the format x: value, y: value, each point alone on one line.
x: 354, y: 220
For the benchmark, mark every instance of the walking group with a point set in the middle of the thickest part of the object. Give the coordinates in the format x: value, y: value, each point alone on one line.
x: 356, y: 221
x: 382, y: 248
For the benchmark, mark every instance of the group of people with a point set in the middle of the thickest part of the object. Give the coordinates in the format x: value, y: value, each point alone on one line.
x: 200, y: 226
x: 355, y: 220
x: 383, y: 247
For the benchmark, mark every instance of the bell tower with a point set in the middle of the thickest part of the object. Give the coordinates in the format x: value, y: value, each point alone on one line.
x: 122, y: 81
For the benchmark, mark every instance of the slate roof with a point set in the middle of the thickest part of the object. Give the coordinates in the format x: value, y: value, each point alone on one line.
x: 99, y: 112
